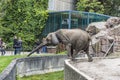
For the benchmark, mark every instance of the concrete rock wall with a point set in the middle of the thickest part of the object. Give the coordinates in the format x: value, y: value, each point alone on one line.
x: 10, y: 72
x: 40, y: 65
x: 33, y: 65
x: 71, y: 73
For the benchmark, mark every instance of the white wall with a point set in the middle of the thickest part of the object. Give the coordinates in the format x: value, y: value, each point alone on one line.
x: 61, y: 5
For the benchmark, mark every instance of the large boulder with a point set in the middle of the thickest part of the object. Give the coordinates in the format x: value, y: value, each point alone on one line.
x: 104, y: 35
x: 95, y: 27
x: 112, y: 21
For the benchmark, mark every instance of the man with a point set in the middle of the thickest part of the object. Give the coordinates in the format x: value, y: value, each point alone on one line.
x: 19, y: 45
x: 2, y: 47
x: 15, y: 45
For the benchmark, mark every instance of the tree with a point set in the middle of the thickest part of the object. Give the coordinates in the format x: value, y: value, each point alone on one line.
x: 90, y: 6
x: 112, y: 7
x: 24, y: 18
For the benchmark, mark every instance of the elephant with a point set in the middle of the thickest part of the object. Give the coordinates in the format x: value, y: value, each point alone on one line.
x: 75, y: 40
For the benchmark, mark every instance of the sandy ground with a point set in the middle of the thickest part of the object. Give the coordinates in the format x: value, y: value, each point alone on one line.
x: 102, y: 69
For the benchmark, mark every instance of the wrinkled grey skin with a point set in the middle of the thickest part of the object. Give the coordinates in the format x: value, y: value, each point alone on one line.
x: 74, y: 39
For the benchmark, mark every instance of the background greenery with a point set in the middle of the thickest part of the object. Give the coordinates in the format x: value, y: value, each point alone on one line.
x: 26, y: 18
x: 108, y: 7
x: 23, y: 18
x: 90, y: 6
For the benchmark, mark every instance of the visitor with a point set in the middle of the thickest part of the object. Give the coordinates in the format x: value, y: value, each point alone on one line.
x: 19, y: 45
x: 44, y: 49
x: 15, y: 45
x: 2, y: 47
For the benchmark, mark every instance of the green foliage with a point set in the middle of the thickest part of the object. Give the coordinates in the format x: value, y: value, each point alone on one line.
x: 108, y: 7
x: 112, y: 7
x: 90, y: 6
x: 24, y: 18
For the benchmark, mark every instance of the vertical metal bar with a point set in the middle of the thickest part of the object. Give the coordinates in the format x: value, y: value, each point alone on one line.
x: 51, y: 22
x: 54, y: 22
x: 88, y: 19
x: 69, y: 20
x: 61, y: 20
x: 47, y: 28
x: 77, y: 19
x: 82, y: 20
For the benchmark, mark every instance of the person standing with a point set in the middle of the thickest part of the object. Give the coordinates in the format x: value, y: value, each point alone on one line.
x: 19, y: 45
x: 44, y: 49
x: 2, y: 47
x: 15, y: 45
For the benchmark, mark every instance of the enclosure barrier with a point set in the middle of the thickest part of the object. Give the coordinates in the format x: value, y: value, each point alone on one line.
x: 33, y: 65
x: 71, y: 73
x: 10, y: 72
x: 71, y: 19
x: 44, y: 64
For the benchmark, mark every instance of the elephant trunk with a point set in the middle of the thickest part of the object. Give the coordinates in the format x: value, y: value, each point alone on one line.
x: 38, y: 47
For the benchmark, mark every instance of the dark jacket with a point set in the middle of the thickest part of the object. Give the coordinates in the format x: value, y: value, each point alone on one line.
x: 15, y: 43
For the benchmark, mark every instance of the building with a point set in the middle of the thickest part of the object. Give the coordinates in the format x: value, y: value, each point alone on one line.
x: 61, y: 5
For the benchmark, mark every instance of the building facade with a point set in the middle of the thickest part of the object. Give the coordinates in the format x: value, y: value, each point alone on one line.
x: 61, y: 5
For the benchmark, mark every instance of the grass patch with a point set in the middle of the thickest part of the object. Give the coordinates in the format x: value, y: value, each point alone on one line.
x: 5, y: 60
x: 48, y: 76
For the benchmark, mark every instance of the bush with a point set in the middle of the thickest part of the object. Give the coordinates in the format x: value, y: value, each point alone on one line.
x: 23, y: 18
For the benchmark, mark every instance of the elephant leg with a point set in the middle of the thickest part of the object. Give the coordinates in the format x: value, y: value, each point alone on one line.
x: 75, y: 54
x: 69, y: 51
x: 88, y: 55
x: 72, y: 53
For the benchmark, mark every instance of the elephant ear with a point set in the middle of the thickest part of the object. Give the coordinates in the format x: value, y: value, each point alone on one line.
x: 54, y: 39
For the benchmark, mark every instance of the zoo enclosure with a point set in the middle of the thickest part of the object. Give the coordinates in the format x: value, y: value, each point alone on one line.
x: 71, y: 19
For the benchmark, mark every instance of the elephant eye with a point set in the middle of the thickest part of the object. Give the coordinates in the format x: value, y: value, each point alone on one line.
x: 47, y: 39
x: 89, y: 31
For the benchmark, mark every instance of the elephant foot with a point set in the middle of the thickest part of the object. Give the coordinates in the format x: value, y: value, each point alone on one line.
x: 90, y: 60
x: 72, y: 59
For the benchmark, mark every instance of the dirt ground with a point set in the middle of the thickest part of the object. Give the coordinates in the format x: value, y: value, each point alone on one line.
x: 100, y: 69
